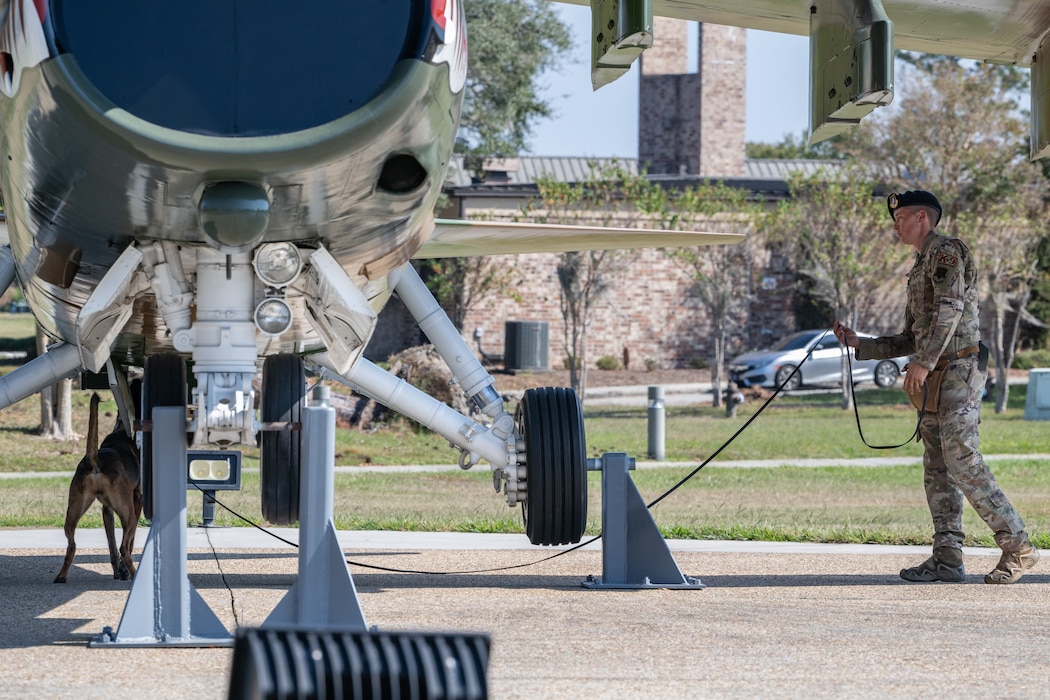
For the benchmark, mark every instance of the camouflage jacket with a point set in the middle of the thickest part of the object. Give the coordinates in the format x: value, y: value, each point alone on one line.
x: 942, y: 306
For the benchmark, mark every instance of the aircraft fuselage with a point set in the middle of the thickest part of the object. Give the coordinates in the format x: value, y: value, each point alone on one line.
x: 333, y: 121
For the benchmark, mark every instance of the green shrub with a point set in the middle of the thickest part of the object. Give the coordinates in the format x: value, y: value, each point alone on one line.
x: 1030, y: 359
x: 567, y: 363
x: 607, y: 362
x: 698, y: 363
x: 651, y: 364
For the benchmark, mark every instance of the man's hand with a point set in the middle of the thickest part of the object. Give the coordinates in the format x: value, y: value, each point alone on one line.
x: 846, y: 336
x: 914, y: 378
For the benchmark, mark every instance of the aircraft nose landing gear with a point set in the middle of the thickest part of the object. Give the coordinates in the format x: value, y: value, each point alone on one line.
x: 550, y: 421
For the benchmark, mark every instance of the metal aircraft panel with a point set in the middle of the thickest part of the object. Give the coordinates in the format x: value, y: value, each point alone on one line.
x: 1001, y: 31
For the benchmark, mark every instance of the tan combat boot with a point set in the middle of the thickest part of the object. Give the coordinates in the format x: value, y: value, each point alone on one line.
x: 946, y: 564
x: 1012, y: 564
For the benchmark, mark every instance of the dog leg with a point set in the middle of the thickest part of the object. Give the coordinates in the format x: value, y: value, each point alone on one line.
x: 129, y: 521
x: 111, y: 538
x: 79, y: 502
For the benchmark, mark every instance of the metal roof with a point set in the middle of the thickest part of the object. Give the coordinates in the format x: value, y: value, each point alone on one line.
x: 525, y: 170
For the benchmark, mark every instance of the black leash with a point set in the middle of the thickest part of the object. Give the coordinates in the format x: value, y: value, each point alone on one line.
x: 681, y: 482
x: 856, y: 411
x: 376, y: 567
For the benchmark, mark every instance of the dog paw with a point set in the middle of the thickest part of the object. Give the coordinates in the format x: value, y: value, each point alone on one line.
x: 60, y: 579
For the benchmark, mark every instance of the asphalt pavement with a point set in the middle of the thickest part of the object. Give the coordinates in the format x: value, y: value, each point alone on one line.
x: 774, y: 620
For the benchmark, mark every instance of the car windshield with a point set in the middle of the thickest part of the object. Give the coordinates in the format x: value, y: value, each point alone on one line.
x: 798, y: 341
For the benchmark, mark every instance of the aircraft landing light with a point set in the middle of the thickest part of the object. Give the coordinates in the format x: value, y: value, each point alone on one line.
x: 278, y: 264
x: 273, y: 316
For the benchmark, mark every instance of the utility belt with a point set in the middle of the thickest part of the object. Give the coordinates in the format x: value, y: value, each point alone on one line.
x: 934, y: 379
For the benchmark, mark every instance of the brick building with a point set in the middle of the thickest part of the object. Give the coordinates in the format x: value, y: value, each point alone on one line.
x: 691, y: 129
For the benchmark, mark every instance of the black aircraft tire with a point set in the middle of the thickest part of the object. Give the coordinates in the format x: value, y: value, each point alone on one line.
x: 280, y: 451
x: 551, y: 422
x: 163, y: 384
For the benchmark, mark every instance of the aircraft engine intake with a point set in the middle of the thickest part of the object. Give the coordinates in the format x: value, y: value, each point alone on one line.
x: 254, y: 79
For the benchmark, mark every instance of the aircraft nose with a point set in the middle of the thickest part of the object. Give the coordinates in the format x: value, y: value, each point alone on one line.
x: 234, y: 214
x: 237, y: 67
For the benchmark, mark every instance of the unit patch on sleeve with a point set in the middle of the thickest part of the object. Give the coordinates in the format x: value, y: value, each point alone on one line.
x: 947, y: 259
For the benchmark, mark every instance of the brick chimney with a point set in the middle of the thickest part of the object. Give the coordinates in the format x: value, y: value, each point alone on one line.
x: 693, y: 123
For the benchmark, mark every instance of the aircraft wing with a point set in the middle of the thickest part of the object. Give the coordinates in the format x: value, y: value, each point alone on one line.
x: 1000, y: 31
x: 455, y: 238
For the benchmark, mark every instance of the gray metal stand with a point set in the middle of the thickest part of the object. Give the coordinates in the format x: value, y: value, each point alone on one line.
x: 634, y: 553
x: 163, y: 608
x: 324, y: 596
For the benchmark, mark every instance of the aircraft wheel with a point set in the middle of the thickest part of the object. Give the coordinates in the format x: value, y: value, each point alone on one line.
x: 163, y: 384
x: 551, y: 423
x: 280, y: 451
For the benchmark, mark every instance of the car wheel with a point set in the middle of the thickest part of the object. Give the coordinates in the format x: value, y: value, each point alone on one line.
x: 886, y: 373
x: 786, y: 380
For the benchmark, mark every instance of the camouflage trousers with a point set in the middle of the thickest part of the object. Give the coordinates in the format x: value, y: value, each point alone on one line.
x: 954, y: 468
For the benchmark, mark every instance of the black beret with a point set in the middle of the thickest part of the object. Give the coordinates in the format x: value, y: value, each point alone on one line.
x: 913, y: 198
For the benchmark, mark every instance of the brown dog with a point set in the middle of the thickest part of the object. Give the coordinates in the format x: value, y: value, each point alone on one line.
x: 110, y: 474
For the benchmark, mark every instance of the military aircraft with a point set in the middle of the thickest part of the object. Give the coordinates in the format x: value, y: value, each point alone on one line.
x: 241, y: 186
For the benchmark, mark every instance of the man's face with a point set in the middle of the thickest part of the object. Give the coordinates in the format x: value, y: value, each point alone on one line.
x: 910, y: 225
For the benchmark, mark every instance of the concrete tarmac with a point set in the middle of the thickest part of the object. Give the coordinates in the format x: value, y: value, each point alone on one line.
x: 775, y: 619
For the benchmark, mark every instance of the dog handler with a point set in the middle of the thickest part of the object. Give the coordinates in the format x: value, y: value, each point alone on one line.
x: 941, y: 332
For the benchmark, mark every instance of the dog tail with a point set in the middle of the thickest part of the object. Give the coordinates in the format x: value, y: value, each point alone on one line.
x: 92, y: 437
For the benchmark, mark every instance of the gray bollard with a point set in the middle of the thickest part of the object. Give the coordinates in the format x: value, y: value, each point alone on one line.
x: 656, y: 423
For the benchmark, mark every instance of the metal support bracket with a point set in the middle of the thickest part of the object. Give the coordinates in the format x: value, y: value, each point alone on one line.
x: 163, y: 608
x: 324, y: 596
x: 634, y: 552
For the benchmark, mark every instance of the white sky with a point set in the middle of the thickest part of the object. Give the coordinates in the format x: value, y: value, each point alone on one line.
x: 605, y: 123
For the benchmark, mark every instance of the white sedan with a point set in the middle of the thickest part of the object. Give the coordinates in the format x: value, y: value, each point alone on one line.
x: 771, y: 368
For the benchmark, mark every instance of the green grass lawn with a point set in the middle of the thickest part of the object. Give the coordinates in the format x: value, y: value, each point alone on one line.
x: 828, y: 504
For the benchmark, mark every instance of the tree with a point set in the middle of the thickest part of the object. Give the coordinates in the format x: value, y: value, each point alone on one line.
x: 792, y: 148
x: 959, y: 132
x: 719, y: 273
x: 584, y: 277
x: 844, y: 247
x: 512, y: 43
x: 56, y: 402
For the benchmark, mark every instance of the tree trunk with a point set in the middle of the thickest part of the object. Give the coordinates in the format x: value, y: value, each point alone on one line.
x: 582, y: 381
x: 999, y: 351
x: 56, y: 403
x: 847, y: 385
x: 718, y: 368
x: 1002, y: 388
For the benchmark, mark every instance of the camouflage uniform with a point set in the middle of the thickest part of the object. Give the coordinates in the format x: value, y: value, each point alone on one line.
x: 941, y: 319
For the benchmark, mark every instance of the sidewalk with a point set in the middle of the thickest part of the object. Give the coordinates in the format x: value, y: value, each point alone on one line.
x: 639, y: 464
x: 698, y: 393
